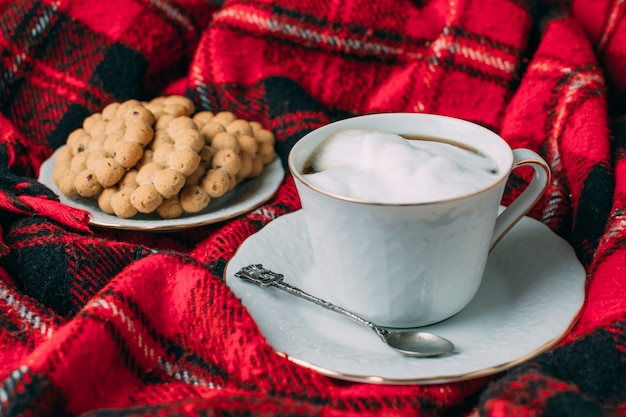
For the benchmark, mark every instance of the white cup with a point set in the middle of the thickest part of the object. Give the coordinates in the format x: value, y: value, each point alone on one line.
x: 409, y: 265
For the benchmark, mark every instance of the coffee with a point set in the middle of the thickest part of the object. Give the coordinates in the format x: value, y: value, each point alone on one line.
x: 381, y: 167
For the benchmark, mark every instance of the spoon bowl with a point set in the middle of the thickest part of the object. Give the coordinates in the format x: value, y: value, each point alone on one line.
x: 412, y: 343
x: 418, y: 344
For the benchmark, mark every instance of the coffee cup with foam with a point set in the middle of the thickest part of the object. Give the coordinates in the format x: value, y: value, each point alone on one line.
x: 402, y: 210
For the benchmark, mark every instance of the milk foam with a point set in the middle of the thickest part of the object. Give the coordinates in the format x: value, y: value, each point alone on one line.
x: 382, y: 167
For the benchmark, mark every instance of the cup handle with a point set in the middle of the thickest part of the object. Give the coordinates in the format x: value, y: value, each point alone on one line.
x: 528, y: 198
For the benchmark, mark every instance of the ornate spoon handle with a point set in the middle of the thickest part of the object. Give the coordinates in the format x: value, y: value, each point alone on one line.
x: 257, y: 274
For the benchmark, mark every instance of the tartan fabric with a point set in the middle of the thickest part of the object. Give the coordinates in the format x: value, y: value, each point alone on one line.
x: 102, y: 322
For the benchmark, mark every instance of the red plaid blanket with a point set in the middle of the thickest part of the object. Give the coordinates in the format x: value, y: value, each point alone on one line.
x: 103, y: 322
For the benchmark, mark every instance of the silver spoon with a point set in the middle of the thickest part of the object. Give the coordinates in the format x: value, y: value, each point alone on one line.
x: 408, y: 342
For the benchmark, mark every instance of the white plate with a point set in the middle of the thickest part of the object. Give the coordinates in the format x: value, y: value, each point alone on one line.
x: 530, y: 297
x: 243, y: 198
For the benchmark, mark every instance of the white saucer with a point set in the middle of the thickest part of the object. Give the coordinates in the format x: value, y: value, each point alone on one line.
x: 243, y: 198
x: 530, y: 297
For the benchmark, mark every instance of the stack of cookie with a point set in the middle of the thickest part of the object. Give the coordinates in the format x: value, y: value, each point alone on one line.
x: 160, y: 157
